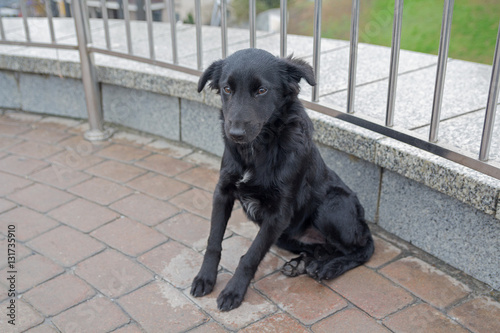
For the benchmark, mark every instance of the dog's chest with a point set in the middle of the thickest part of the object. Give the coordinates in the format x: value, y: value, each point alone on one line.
x: 248, y: 194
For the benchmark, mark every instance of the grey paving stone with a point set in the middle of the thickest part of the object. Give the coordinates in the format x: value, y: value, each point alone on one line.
x: 465, y: 131
x: 38, y: 27
x: 142, y: 110
x: 452, y: 231
x: 466, y: 89
x: 64, y: 29
x: 139, y: 35
x: 373, y: 64
x: 362, y: 177
x: 53, y: 95
x: 299, y: 46
x: 9, y: 90
x: 186, y: 45
x: 201, y: 127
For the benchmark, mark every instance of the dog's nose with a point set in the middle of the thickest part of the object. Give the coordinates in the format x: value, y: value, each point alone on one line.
x: 237, y: 134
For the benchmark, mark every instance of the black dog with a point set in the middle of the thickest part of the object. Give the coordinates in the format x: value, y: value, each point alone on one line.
x: 271, y: 165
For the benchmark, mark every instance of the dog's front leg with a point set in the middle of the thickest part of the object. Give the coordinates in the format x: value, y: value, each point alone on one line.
x: 234, y: 292
x: 204, y: 282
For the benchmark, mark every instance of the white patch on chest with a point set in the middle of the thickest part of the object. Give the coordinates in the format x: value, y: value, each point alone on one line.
x: 251, y: 207
x: 247, y: 175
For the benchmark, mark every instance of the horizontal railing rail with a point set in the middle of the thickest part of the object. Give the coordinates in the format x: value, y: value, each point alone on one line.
x: 80, y: 12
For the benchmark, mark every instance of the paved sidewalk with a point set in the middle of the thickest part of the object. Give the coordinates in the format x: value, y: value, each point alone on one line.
x: 110, y: 235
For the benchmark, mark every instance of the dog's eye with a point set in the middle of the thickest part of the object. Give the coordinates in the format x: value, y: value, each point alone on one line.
x: 227, y: 90
x: 261, y: 91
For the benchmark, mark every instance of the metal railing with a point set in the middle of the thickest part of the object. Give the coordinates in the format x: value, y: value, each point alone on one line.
x: 87, y: 49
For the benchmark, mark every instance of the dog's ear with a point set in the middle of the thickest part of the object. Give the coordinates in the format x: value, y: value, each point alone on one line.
x: 297, y: 69
x: 212, y: 73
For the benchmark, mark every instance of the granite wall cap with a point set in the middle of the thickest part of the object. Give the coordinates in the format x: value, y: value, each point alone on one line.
x: 344, y: 136
x: 467, y: 185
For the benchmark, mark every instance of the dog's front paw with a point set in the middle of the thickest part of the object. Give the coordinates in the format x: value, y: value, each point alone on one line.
x: 202, y: 286
x: 229, y: 299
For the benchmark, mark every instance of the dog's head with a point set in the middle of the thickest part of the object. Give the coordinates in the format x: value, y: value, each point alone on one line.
x: 253, y: 84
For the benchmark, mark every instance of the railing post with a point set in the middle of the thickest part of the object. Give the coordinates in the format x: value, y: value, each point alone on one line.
x: 251, y: 19
x: 199, y: 41
x: 316, y: 48
x: 283, y: 28
x: 353, y: 56
x: 104, y: 13
x: 24, y: 12
x: 48, y: 10
x: 2, y: 31
x: 89, y: 77
x: 444, y: 44
x: 491, y: 105
x: 149, y: 20
x: 173, y: 33
x: 223, y: 27
x: 126, y: 17
x: 393, y: 73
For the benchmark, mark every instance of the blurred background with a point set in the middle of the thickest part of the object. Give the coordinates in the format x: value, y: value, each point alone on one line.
x: 474, y: 27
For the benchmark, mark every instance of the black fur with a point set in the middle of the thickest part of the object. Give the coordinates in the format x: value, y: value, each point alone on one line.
x: 271, y: 165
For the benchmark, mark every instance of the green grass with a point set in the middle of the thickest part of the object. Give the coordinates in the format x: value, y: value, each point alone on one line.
x: 473, y: 34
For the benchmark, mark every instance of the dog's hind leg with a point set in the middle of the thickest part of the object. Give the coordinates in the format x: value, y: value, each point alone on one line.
x: 341, y: 222
x: 334, y: 266
x: 294, y: 245
x: 298, y: 266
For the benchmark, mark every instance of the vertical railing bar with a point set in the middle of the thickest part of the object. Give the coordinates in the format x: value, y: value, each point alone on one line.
x: 2, y: 31
x: 199, y: 44
x: 24, y: 12
x: 316, y: 48
x: 104, y: 12
x: 223, y: 27
x: 173, y: 33
x: 149, y: 19
x: 86, y: 21
x: 444, y: 43
x: 89, y: 76
x: 252, y: 17
x: 491, y: 105
x: 394, y: 67
x: 283, y: 28
x: 48, y: 9
x: 126, y: 17
x: 353, y: 56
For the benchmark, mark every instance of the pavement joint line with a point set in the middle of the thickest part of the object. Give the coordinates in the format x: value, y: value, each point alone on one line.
x: 65, y: 309
x: 379, y: 80
x: 42, y: 282
x: 59, y: 224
